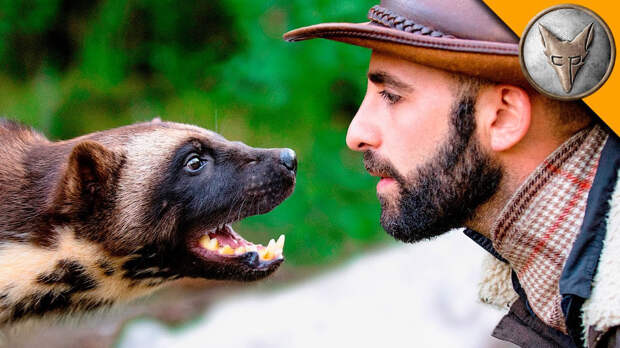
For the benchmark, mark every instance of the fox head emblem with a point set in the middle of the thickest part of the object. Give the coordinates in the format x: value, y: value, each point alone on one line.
x: 566, y: 57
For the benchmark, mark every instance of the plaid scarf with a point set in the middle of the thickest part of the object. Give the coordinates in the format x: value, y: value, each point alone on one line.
x: 536, y: 229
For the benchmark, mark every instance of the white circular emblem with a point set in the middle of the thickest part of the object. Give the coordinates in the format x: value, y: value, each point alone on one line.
x: 567, y: 52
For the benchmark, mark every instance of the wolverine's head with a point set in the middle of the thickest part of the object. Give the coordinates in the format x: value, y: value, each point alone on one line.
x: 163, y: 195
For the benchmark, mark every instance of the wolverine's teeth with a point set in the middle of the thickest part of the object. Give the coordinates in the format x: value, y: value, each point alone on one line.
x: 213, y: 244
x: 280, y: 243
x: 272, y: 245
x: 265, y: 254
x: 271, y: 251
x: 226, y: 250
x: 204, y: 241
x: 273, y: 248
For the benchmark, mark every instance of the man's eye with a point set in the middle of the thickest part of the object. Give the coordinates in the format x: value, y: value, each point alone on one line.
x: 389, y: 97
x: 194, y: 164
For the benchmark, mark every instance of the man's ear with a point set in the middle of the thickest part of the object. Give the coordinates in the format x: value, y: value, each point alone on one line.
x: 506, y: 115
x: 88, y: 178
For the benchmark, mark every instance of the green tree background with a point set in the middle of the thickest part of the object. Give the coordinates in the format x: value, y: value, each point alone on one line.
x: 71, y: 67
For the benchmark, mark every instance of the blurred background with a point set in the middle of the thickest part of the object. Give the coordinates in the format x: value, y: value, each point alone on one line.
x: 71, y: 67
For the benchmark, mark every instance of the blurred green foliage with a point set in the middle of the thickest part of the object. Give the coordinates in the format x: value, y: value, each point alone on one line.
x: 72, y: 67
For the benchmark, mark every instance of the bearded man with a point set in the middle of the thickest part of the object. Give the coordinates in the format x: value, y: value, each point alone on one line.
x: 458, y: 138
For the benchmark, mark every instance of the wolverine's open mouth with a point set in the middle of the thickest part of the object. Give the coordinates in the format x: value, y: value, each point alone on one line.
x: 221, y: 253
x: 223, y: 244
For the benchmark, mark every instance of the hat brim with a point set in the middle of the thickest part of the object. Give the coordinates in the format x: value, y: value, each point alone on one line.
x: 495, y: 61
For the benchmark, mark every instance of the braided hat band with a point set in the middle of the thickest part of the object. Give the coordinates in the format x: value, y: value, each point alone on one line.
x: 388, y: 18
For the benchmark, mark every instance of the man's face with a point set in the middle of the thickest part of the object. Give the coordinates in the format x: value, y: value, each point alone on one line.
x: 416, y: 129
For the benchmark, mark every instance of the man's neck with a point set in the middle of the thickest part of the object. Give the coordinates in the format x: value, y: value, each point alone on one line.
x: 517, y: 168
x: 485, y: 215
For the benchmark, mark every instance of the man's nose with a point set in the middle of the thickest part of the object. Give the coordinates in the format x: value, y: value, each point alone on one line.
x: 363, y: 134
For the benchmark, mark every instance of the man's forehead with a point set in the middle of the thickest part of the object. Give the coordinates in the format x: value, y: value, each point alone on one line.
x: 385, y: 67
x: 380, y: 60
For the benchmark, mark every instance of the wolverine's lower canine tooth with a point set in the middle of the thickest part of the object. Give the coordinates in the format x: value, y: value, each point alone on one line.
x: 272, y: 248
x: 280, y: 242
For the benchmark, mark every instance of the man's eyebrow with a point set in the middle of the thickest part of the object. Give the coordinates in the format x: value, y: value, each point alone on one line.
x: 384, y: 78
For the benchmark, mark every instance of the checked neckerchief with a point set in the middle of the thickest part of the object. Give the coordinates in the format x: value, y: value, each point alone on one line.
x: 536, y: 230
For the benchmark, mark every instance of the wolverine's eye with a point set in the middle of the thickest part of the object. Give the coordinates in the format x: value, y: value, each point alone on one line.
x: 194, y: 164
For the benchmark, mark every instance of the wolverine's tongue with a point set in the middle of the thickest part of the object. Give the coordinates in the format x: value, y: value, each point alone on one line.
x: 224, y: 241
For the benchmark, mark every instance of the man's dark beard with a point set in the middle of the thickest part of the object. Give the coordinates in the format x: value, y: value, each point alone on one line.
x: 443, y: 193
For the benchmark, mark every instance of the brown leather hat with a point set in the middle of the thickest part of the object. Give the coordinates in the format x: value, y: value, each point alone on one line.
x: 462, y: 36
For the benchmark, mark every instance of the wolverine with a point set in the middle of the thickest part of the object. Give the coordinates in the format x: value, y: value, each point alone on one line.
x: 113, y: 215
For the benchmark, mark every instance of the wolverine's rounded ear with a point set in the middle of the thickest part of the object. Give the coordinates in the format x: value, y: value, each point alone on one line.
x: 89, y: 176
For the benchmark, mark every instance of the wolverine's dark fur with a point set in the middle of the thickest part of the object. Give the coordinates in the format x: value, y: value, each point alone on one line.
x: 122, y: 195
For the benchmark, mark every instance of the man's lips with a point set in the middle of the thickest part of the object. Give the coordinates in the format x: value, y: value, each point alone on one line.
x: 384, y: 183
x: 385, y: 180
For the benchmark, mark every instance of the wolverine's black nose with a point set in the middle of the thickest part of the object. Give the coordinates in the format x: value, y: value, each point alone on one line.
x: 289, y: 159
